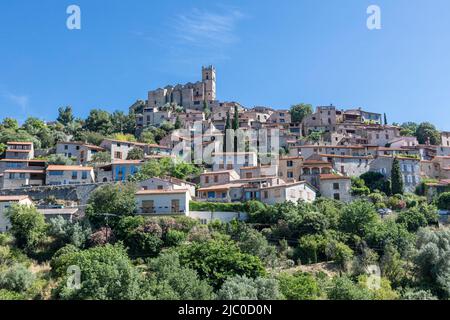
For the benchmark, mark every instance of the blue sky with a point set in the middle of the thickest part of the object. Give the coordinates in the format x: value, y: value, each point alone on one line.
x: 271, y: 53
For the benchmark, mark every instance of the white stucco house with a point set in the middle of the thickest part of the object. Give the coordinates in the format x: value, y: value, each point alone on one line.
x: 163, y: 202
x: 5, y: 203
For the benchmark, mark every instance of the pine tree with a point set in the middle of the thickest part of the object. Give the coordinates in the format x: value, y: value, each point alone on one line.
x: 396, y: 178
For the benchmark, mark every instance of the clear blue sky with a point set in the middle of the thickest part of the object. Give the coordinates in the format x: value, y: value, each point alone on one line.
x: 272, y: 53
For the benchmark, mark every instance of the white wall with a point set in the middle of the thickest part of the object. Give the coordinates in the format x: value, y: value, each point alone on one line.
x: 221, y: 216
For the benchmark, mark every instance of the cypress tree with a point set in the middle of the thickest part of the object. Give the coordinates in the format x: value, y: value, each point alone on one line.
x: 236, y: 118
x: 396, y: 178
x: 385, y: 119
x: 178, y: 123
x: 236, y: 127
x: 227, y: 127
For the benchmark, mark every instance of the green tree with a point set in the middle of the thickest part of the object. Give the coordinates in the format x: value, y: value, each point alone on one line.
x: 16, y: 278
x: 106, y: 274
x: 301, y: 286
x: 216, y: 260
x: 99, y: 121
x: 33, y: 125
x: 60, y: 159
x: 169, y: 280
x: 300, y: 111
x: 236, y: 118
x: 357, y: 217
x: 178, y: 123
x: 65, y: 115
x: 443, y: 201
x: 408, y: 129
x: 147, y: 136
x: 243, y: 288
x: 206, y: 109
x: 27, y: 226
x: 413, y: 219
x: 432, y: 262
x: 123, y: 123
x: 343, y: 288
x: 65, y: 232
x: 427, y: 132
x: 374, y: 181
x: 116, y: 199
x: 91, y: 137
x: 101, y: 158
x: 227, y: 127
x: 396, y: 178
x: 136, y: 154
x: 385, y: 119
x: 10, y: 123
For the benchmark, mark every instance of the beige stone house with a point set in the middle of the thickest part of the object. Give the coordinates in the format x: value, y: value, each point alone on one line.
x: 335, y: 187
x: 167, y: 183
x: 81, y: 151
x: 212, y: 178
x: 19, y: 150
x: 63, y: 175
x: 290, y: 168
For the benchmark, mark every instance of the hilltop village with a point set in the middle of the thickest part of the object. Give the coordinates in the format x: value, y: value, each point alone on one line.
x: 131, y: 177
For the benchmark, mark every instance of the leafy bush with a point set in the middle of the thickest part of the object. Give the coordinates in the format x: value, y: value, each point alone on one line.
x: 216, y: 260
x: 16, y: 278
x: 243, y: 288
x: 443, y: 201
x: 301, y: 286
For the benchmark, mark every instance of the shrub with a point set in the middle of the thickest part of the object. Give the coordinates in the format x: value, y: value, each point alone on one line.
x: 17, y: 278
x: 175, y: 237
x: 301, y: 286
x: 443, y: 201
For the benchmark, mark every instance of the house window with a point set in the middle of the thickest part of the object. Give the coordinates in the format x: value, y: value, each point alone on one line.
x: 74, y: 175
x: 277, y: 193
x: 160, y: 187
x: 22, y: 176
x: 118, y: 155
x: 12, y: 176
x: 290, y: 174
x: 290, y: 163
x: 336, y: 186
x: 216, y: 179
x: 148, y: 206
x: 337, y: 196
x: 248, y: 175
x: 206, y: 179
x: 66, y: 147
x: 266, y: 194
x: 56, y: 173
x: 176, y: 205
x: 84, y: 175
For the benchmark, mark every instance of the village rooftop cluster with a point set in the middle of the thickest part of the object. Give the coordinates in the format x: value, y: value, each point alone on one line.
x: 315, y: 157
